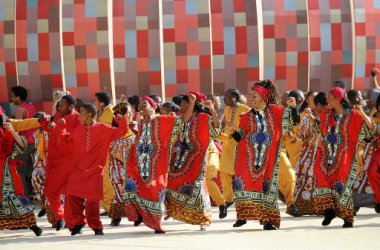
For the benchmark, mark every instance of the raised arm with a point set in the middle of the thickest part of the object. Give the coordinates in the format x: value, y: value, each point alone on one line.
x: 8, y: 126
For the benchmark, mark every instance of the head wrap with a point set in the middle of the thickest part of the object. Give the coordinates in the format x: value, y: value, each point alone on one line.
x: 151, y: 101
x: 263, y: 92
x: 338, y: 93
x: 199, y: 96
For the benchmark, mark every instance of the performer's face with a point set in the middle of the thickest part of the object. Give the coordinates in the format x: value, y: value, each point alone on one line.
x: 229, y: 99
x: 98, y: 105
x: 85, y: 116
x: 64, y: 108
x: 332, y: 100
x: 310, y: 101
x: 257, y: 101
x: 184, y: 104
x: 145, y: 109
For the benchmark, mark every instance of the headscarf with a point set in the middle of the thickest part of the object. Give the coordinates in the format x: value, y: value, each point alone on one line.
x: 263, y: 92
x: 150, y: 100
x: 199, y: 96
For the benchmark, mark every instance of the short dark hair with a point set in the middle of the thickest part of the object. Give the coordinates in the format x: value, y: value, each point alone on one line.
x: 21, y: 92
x: 172, y: 106
x: 234, y: 92
x: 70, y: 99
x: 321, y: 98
x: 177, y: 99
x: 90, y: 109
x: 104, y: 97
x: 352, y: 95
x: 134, y: 101
x: 341, y: 84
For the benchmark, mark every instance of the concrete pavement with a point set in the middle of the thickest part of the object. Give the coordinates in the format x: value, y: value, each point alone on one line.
x: 295, y: 233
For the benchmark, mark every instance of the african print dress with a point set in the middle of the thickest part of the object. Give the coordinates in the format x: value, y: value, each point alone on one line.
x: 257, y: 161
x: 16, y: 212
x: 147, y: 169
x: 38, y: 176
x: 117, y: 161
x: 335, y: 165
x: 187, y: 198
x: 308, y: 133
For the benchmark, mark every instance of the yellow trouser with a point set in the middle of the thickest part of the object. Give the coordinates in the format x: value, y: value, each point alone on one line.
x: 211, y: 175
x: 108, y: 191
x: 286, y: 179
x: 227, y: 184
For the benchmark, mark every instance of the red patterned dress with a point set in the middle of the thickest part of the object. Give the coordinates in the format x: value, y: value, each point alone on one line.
x: 147, y: 170
x: 187, y: 198
x: 335, y: 166
x: 256, y: 163
x: 117, y: 162
x: 16, y: 212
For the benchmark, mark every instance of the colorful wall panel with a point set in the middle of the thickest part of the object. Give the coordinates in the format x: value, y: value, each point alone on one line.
x: 186, y: 44
x: 8, y: 75
x: 367, y: 40
x: 168, y: 47
x: 85, y: 47
x: 38, y: 48
x: 331, y: 54
x: 234, y: 44
x: 136, y: 45
x: 286, y: 56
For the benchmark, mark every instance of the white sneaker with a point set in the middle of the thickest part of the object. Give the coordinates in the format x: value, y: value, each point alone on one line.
x: 204, y: 228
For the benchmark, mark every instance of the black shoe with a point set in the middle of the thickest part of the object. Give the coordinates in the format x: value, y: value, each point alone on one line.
x: 42, y: 213
x: 222, y: 211
x: 347, y: 224
x: 329, y: 216
x: 159, y: 232
x: 239, y: 223
x: 228, y: 204
x: 37, y: 230
x: 59, y: 225
x: 293, y: 210
x: 76, y: 230
x: 98, y: 231
x: 377, y: 208
x: 138, y: 222
x: 269, y: 227
x: 115, y: 222
x: 104, y: 214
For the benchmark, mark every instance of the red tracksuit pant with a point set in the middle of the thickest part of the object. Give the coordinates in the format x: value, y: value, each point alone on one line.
x: 76, y: 208
x: 374, y: 175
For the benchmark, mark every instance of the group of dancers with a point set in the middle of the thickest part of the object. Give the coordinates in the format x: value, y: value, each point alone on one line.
x: 147, y: 160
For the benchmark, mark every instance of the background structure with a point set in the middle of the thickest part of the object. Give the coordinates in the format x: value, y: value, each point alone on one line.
x: 168, y: 47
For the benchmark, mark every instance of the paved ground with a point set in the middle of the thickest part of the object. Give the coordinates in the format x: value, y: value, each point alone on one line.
x: 295, y: 233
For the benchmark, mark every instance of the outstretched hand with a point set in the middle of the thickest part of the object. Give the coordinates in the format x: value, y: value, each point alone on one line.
x: 8, y: 126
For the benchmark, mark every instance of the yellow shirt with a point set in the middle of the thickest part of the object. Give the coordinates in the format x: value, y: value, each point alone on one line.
x: 229, y: 144
x: 106, y: 116
x: 24, y: 124
x: 292, y: 145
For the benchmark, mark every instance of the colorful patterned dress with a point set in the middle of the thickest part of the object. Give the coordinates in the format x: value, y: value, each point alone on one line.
x: 187, y: 198
x: 362, y: 192
x: 38, y: 176
x: 117, y: 161
x: 16, y: 212
x: 335, y: 166
x: 147, y: 170
x: 305, y: 183
x: 257, y: 161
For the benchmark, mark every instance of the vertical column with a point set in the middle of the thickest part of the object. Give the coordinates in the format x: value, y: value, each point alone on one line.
x: 38, y: 48
x: 330, y: 43
x: 86, y: 47
x: 367, y: 40
x: 286, y: 43
x: 235, y: 43
x: 186, y: 44
x: 136, y: 44
x: 8, y: 75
